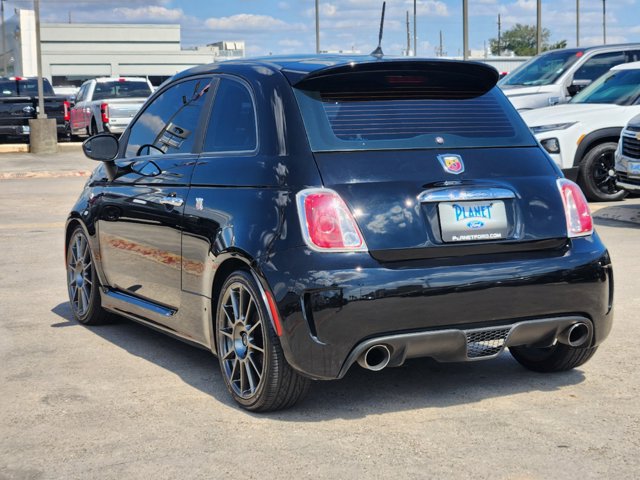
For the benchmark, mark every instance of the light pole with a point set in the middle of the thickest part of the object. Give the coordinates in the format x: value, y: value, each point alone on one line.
x: 4, y: 49
x: 539, y: 27
x: 43, y: 135
x: 317, y: 27
x: 604, y: 22
x: 465, y: 30
x: 577, y: 23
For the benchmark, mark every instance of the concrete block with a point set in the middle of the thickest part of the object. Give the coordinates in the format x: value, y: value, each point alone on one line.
x: 43, y: 137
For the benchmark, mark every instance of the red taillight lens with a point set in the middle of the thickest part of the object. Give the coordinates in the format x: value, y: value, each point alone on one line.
x: 67, y: 114
x: 576, y: 209
x: 104, y: 110
x: 327, y: 223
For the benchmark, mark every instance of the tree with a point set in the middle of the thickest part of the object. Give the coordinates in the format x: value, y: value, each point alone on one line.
x: 521, y: 40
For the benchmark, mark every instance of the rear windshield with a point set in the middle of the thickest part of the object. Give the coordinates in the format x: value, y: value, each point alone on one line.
x: 544, y: 69
x: 121, y: 89
x: 410, y: 118
x: 23, y: 88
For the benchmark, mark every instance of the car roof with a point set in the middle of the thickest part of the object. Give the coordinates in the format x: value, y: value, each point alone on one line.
x: 301, y: 66
x: 627, y: 66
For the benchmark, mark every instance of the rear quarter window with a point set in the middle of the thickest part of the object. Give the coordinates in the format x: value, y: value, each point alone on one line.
x: 406, y: 114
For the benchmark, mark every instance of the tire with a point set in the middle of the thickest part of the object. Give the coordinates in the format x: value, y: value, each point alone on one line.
x: 94, y: 128
x: 597, y: 174
x: 557, y: 358
x: 252, y: 363
x: 82, y: 281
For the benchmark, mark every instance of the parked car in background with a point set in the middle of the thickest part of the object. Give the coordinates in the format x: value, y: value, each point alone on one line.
x: 108, y: 104
x: 583, y: 135
x: 628, y: 157
x: 556, y: 76
x: 297, y: 216
x: 19, y: 104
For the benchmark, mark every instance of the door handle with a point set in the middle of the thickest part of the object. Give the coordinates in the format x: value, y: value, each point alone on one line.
x: 172, y: 201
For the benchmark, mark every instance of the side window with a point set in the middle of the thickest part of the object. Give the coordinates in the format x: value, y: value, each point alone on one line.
x: 168, y: 124
x: 232, y: 126
x: 634, y: 56
x: 81, y: 93
x: 598, y: 65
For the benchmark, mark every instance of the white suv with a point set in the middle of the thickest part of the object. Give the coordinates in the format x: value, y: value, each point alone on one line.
x: 582, y: 136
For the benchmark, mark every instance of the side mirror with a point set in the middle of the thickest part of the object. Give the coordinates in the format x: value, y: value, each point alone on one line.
x: 577, y: 85
x: 103, y: 147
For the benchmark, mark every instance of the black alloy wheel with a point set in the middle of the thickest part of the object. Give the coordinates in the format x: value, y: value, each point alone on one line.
x: 250, y: 356
x: 597, y: 176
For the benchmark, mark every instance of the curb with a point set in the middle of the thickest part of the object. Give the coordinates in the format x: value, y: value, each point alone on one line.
x: 24, y: 147
x: 622, y: 213
x: 44, y: 174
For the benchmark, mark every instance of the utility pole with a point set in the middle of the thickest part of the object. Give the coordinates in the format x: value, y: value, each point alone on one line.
x: 43, y: 137
x: 441, y: 49
x: 41, y: 113
x: 465, y: 30
x: 415, y: 32
x: 604, y: 21
x: 317, y: 27
x: 4, y: 48
x: 577, y: 23
x: 499, y: 34
x: 539, y: 27
x: 408, y: 36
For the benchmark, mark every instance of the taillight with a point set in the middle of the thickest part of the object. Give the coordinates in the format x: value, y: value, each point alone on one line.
x: 327, y: 223
x: 67, y: 114
x: 576, y: 209
x: 104, y: 110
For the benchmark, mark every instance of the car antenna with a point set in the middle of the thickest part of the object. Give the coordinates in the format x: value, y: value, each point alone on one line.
x: 378, y: 51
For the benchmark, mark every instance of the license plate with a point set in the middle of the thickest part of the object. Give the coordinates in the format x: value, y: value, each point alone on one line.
x: 473, y: 221
x: 633, y: 168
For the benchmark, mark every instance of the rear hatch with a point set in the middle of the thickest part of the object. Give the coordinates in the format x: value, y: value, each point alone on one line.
x: 432, y: 160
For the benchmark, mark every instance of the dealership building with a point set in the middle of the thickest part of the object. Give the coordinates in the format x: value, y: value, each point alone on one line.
x: 75, y: 52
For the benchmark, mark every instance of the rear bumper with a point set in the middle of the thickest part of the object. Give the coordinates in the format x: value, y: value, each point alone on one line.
x: 335, y: 305
x: 24, y: 130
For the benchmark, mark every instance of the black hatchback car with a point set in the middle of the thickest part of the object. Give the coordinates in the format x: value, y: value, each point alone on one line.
x: 296, y: 216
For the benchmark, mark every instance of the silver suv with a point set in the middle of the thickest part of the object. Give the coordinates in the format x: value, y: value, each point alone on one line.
x: 556, y: 76
x: 628, y: 157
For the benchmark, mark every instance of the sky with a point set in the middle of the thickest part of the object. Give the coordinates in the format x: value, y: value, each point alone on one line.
x: 288, y: 26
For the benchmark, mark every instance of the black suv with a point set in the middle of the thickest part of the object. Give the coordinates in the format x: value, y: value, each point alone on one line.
x: 298, y: 215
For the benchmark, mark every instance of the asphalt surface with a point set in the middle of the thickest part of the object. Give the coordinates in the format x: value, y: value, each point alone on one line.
x: 121, y: 401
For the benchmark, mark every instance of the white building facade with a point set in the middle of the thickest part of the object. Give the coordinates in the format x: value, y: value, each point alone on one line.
x: 75, y: 52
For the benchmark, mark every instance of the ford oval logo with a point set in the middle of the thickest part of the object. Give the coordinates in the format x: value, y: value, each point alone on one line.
x: 475, y: 224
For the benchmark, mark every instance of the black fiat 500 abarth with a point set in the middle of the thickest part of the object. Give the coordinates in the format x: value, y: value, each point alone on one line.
x: 296, y: 216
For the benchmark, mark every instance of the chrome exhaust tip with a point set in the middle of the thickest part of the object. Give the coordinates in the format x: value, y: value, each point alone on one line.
x: 576, y: 335
x: 375, y: 358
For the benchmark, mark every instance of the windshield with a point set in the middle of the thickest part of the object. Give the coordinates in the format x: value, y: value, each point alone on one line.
x: 621, y: 87
x: 543, y: 69
x: 121, y: 89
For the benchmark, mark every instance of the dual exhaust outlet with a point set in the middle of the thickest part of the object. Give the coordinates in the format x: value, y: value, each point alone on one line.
x: 377, y: 357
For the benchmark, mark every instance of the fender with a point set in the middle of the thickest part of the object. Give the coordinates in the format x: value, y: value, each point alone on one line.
x: 593, y: 137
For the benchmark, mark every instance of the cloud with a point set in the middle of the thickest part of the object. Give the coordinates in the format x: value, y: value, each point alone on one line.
x: 152, y: 12
x: 248, y: 22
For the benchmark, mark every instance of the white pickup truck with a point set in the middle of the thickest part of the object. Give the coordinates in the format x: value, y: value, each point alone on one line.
x: 107, y: 104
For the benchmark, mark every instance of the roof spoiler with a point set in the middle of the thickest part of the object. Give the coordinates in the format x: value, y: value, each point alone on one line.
x: 456, y: 74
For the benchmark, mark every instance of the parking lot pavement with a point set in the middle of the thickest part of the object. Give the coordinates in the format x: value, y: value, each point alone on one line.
x: 121, y: 401
x: 68, y: 162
